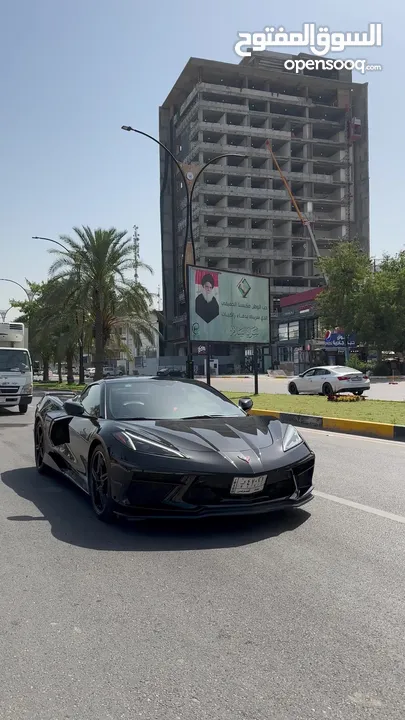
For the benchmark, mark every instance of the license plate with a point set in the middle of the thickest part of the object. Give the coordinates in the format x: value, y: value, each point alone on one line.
x: 248, y: 486
x: 357, y: 378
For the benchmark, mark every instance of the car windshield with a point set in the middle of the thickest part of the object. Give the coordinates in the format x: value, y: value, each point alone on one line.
x: 166, y: 400
x: 14, y: 360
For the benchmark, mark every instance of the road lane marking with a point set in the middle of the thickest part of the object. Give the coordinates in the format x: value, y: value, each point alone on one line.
x: 358, y: 506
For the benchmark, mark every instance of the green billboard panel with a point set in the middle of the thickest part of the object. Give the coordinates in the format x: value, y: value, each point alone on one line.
x: 228, y: 307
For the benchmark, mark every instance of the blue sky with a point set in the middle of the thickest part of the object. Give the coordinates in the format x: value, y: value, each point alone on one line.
x: 74, y: 72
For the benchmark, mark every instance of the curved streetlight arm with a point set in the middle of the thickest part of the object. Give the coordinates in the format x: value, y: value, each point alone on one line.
x: 28, y: 294
x: 128, y: 128
x: 3, y: 314
x: 210, y: 162
x: 56, y: 242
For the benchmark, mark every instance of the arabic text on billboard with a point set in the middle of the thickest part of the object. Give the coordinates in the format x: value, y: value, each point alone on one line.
x: 228, y: 307
x: 338, y: 339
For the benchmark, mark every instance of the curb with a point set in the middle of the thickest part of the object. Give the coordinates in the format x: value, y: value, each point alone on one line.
x: 41, y: 393
x: 351, y: 427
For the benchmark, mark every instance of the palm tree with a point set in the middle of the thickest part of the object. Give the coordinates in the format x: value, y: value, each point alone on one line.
x: 94, y: 267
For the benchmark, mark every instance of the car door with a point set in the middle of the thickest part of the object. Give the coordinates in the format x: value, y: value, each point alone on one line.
x: 305, y: 384
x: 321, y: 377
x: 82, y: 431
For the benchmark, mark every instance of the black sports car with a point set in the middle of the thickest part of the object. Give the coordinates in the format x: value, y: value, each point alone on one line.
x: 161, y: 447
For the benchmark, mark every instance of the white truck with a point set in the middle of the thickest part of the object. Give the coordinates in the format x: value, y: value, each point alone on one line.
x: 15, y: 367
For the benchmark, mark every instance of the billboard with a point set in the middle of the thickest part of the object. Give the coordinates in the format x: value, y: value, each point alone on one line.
x: 228, y: 307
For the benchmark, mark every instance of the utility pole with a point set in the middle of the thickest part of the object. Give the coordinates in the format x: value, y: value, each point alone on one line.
x: 135, y: 238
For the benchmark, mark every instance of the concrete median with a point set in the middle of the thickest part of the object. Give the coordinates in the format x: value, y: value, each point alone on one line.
x: 363, y: 428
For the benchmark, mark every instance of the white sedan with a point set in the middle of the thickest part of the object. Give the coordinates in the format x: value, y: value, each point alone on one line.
x: 329, y: 380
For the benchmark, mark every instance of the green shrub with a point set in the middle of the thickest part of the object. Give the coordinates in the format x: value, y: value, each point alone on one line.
x: 381, y: 368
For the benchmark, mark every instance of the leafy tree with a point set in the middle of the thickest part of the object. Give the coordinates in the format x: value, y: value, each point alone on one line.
x: 41, y: 338
x: 52, y: 334
x: 347, y: 269
x: 94, y: 267
x: 380, y: 316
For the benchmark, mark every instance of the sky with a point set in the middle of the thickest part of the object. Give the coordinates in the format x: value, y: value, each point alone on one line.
x: 74, y: 71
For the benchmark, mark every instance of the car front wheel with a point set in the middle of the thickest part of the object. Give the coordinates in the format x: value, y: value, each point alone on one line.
x: 22, y: 409
x: 39, y: 440
x: 100, y: 486
x: 292, y: 389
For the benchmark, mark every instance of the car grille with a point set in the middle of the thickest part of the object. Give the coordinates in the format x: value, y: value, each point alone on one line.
x: 215, y: 489
x: 151, y: 489
x: 9, y: 389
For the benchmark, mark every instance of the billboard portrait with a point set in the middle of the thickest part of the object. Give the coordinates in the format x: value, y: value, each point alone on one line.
x: 228, y: 307
x: 206, y: 293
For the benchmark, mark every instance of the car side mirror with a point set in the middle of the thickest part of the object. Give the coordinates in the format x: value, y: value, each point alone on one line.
x: 245, y: 404
x: 74, y: 408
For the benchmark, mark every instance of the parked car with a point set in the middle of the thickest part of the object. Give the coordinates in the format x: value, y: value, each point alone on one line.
x: 157, y: 447
x: 329, y: 380
x: 171, y: 372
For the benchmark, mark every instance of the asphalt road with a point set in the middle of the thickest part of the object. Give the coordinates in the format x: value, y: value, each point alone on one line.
x: 378, y: 390
x: 286, y: 618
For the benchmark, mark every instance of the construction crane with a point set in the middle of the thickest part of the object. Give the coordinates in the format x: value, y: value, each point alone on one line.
x: 306, y: 223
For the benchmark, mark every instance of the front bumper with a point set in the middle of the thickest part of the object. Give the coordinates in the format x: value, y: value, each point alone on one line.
x: 12, y: 400
x: 152, y: 495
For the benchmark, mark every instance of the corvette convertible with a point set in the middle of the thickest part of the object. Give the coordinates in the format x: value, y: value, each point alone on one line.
x: 157, y: 447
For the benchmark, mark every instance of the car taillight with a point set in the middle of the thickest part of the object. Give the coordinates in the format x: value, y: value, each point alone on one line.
x: 365, y: 377
x: 344, y: 377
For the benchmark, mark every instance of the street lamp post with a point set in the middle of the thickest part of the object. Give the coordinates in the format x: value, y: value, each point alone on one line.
x: 81, y: 336
x: 189, y: 185
x: 3, y: 314
x: 28, y: 293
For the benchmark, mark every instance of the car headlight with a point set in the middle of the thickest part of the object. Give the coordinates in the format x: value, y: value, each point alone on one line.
x: 26, y: 390
x: 142, y: 445
x: 291, y: 438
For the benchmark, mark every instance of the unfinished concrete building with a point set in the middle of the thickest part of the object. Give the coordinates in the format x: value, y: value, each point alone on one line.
x: 243, y: 218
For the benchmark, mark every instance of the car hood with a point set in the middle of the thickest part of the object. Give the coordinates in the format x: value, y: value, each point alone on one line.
x: 242, y: 434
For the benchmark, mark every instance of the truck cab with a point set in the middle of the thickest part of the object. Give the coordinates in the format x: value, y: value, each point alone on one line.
x: 15, y: 367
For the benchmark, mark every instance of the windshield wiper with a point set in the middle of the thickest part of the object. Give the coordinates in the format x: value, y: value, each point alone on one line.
x: 202, y: 417
x: 130, y: 419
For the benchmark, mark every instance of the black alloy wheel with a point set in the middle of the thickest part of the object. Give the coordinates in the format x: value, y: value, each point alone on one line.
x: 39, y: 441
x: 292, y: 389
x: 327, y: 389
x: 99, y: 486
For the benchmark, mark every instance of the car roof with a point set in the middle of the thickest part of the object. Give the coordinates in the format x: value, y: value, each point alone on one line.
x: 331, y: 367
x: 144, y: 378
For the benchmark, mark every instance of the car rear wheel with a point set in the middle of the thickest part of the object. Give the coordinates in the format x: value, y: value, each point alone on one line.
x: 292, y: 389
x: 327, y: 389
x: 358, y: 392
x: 39, y: 440
x: 100, y: 486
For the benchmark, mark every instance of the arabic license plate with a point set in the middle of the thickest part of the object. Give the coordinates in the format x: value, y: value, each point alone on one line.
x: 248, y: 486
